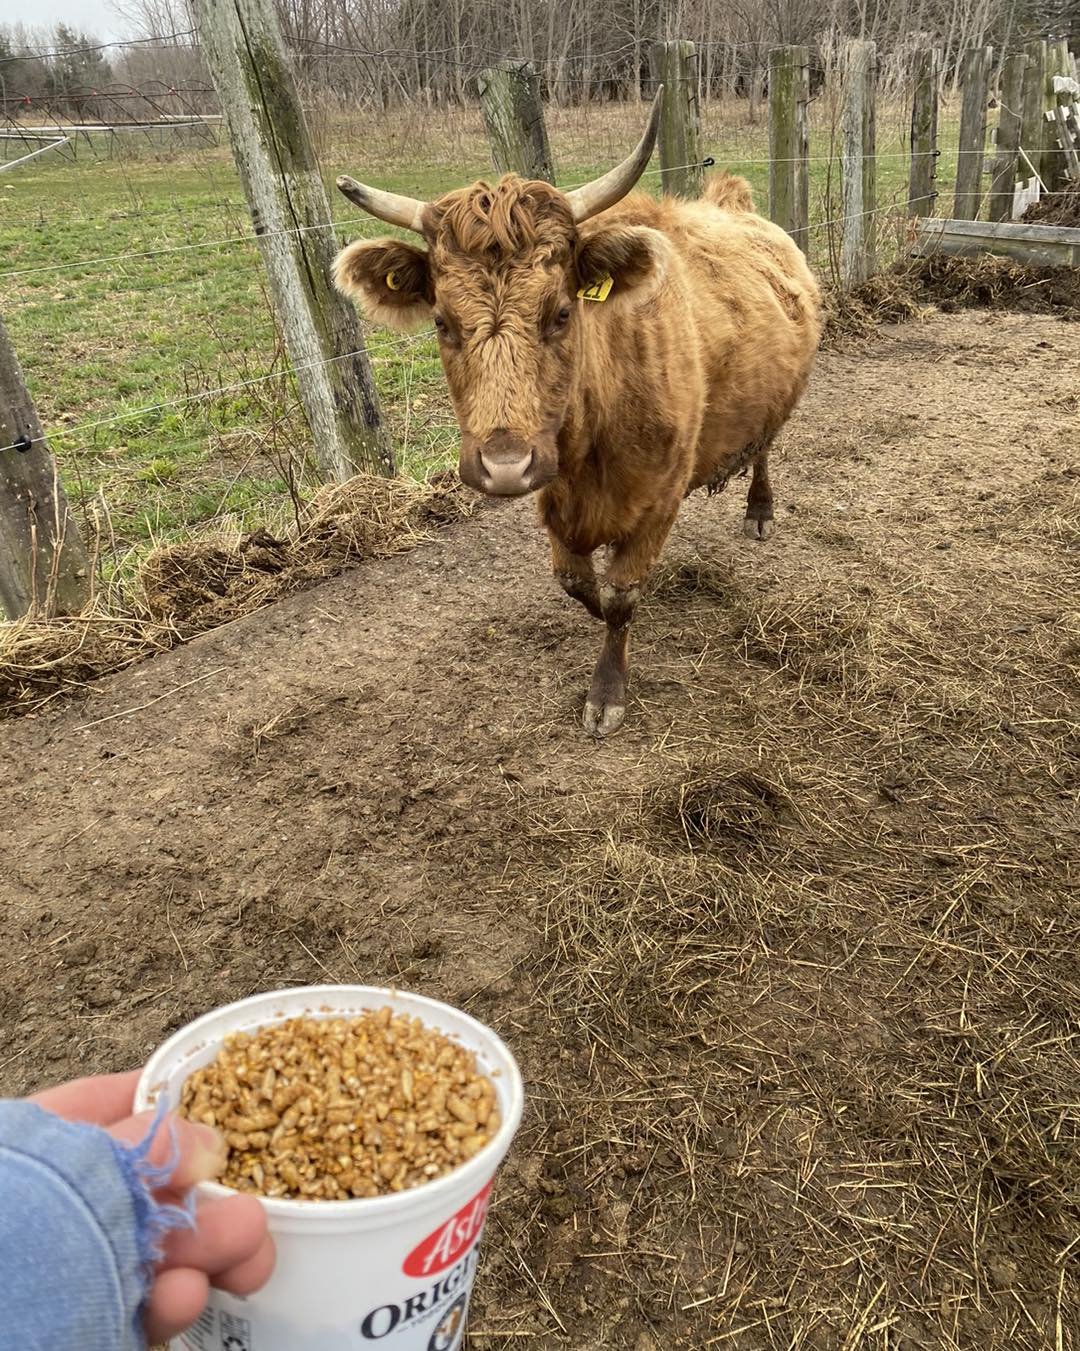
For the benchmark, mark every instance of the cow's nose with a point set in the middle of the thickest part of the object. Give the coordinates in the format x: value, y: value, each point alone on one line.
x: 505, y: 477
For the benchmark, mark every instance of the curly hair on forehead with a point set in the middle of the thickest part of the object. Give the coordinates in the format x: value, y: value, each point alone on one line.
x: 500, y: 222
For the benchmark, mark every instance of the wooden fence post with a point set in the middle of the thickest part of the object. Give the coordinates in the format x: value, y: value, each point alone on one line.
x: 278, y: 168
x: 44, y: 569
x: 789, y: 141
x: 975, y: 90
x: 1053, y: 170
x: 675, y: 66
x: 1065, y: 166
x: 514, y: 118
x: 1032, y: 129
x: 858, y: 163
x: 1010, y: 120
x: 924, y: 132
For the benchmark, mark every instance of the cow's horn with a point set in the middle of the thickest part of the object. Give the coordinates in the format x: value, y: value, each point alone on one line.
x: 592, y: 198
x: 387, y: 206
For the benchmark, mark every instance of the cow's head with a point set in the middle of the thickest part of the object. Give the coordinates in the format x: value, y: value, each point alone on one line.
x: 500, y: 278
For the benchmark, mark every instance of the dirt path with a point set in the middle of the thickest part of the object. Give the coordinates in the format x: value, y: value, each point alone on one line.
x: 789, y: 962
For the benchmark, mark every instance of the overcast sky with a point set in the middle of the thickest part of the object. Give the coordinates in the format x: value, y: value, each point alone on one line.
x: 89, y: 16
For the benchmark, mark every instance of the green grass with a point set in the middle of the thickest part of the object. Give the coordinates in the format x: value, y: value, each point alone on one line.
x: 116, y: 333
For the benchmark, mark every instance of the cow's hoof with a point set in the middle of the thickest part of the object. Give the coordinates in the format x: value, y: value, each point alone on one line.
x: 755, y: 529
x: 603, y: 719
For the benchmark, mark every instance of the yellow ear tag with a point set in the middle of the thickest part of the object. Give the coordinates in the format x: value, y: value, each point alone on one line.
x: 392, y: 281
x: 597, y: 290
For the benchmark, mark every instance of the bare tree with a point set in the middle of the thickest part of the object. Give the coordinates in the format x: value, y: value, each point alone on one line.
x: 390, y: 51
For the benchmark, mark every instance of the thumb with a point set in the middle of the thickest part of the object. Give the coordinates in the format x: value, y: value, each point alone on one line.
x: 193, y: 1152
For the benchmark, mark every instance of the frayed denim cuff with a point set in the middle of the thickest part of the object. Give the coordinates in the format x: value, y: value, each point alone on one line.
x: 80, y: 1232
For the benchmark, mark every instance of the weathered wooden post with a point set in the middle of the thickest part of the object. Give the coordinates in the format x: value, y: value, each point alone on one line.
x: 924, y: 132
x: 1010, y: 121
x: 975, y: 91
x: 1066, y: 143
x: 276, y: 160
x: 1065, y: 165
x: 675, y: 66
x: 1053, y: 163
x: 789, y: 141
x: 44, y: 568
x: 514, y: 118
x: 858, y: 163
x: 1032, y: 128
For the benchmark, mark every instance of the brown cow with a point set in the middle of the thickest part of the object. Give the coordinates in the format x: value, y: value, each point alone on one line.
x: 679, y: 375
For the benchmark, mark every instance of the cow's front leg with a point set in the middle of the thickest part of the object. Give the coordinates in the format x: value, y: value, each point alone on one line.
x: 627, y: 572
x: 605, y: 704
x: 577, y: 577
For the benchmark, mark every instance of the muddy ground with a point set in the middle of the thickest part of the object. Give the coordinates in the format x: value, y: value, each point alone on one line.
x: 790, y: 964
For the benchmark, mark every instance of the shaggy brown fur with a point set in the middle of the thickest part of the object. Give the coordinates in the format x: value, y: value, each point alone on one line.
x: 613, y: 410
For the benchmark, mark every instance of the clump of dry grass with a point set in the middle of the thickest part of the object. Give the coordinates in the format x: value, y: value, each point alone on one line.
x: 39, y: 658
x: 198, y: 585
x: 886, y: 298
x: 185, y: 589
x: 704, y: 578
x: 736, y: 809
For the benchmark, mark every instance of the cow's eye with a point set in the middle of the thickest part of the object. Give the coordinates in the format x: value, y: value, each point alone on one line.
x: 440, y: 324
x: 559, y: 320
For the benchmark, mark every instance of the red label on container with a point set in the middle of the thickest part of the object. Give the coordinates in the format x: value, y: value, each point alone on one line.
x: 443, y: 1248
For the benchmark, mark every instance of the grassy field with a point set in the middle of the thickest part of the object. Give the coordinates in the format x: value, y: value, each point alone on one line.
x: 133, y: 282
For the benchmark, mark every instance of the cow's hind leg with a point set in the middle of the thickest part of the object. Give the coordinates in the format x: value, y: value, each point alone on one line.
x: 628, y: 569
x: 759, y: 501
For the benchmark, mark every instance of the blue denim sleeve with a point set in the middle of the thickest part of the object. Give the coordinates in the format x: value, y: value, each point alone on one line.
x: 79, y: 1232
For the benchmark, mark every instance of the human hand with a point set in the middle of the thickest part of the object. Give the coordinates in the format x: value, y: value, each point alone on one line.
x: 229, y: 1246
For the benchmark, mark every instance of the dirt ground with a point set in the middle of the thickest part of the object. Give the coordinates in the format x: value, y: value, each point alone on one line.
x: 790, y: 964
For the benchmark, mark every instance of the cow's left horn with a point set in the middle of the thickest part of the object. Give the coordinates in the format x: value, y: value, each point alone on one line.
x: 387, y: 206
x: 592, y: 198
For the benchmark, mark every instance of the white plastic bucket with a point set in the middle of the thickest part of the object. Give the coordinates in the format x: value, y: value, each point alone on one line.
x: 392, y: 1271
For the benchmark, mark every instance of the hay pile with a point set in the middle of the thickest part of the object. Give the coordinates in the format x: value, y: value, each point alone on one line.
x: 186, y: 589
x: 886, y: 298
x: 914, y: 284
x: 1062, y: 208
x: 990, y: 282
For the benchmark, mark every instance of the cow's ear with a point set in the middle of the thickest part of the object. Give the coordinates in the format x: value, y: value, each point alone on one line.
x: 633, y: 256
x: 388, y: 279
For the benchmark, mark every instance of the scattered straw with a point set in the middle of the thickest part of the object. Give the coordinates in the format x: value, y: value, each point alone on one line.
x: 818, y: 991
x: 185, y: 589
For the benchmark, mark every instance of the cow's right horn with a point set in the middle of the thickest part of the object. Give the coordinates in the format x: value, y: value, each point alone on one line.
x: 592, y: 198
x: 387, y: 206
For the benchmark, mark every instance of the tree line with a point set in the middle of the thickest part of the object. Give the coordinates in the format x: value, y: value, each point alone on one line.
x: 393, y: 51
